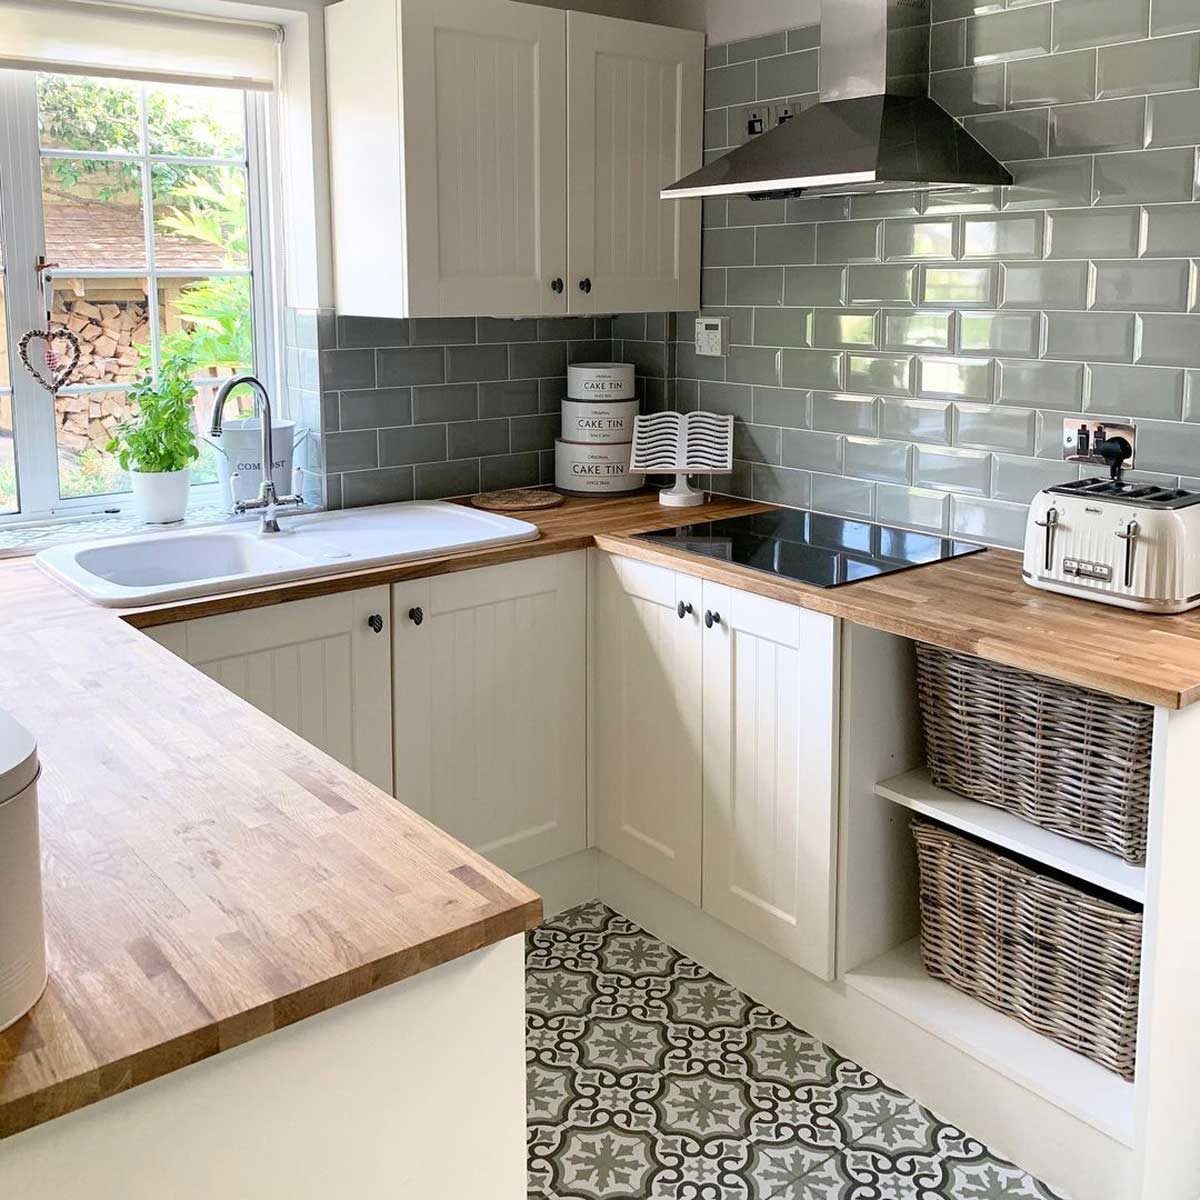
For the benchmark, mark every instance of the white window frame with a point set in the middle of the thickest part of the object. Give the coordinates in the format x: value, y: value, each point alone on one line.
x: 35, y: 439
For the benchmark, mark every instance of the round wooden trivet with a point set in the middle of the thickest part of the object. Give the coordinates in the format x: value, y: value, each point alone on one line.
x: 518, y: 500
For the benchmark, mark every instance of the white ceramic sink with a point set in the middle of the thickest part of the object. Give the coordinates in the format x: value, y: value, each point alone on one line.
x: 155, y: 567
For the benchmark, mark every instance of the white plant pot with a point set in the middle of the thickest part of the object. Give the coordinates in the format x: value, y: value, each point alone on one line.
x: 161, y: 497
x: 239, y: 457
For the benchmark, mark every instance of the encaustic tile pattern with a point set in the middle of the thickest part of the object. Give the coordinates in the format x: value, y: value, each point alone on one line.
x: 649, y: 1078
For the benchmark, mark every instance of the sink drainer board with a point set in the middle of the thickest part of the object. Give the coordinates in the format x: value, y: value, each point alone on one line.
x: 155, y: 567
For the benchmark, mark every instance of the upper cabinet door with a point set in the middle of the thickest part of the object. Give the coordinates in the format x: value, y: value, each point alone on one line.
x: 447, y: 146
x: 636, y: 116
x: 771, y: 676
x: 485, y: 135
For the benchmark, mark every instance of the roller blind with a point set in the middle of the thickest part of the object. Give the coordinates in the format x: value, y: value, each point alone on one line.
x: 137, y: 43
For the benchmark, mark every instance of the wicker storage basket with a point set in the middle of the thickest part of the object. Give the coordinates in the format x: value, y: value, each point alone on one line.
x: 1068, y: 759
x: 1059, y: 959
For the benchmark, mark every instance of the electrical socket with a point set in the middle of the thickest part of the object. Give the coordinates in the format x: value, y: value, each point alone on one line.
x: 1080, y: 435
x: 764, y: 117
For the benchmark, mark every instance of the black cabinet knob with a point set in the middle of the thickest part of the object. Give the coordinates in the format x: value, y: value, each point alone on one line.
x: 416, y: 615
x: 683, y: 610
x: 375, y: 621
x: 585, y: 286
x: 557, y: 286
x: 712, y: 618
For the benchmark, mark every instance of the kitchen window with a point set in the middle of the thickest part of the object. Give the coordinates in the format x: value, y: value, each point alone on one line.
x: 135, y: 214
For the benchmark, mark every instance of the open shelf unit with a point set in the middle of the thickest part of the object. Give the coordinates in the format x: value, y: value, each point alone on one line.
x: 915, y: 790
x: 898, y: 981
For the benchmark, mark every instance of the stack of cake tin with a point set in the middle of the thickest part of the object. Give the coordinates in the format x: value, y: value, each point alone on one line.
x: 592, y: 456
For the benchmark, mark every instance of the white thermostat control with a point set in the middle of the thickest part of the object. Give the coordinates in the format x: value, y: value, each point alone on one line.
x: 712, y: 337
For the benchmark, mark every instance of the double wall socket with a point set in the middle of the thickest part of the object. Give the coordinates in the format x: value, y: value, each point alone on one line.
x: 1080, y: 437
x: 762, y: 117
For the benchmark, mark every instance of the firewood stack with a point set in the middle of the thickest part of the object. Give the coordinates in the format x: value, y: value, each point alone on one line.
x: 111, y: 337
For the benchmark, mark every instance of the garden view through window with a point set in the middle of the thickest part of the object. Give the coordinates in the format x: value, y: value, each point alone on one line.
x: 145, y: 206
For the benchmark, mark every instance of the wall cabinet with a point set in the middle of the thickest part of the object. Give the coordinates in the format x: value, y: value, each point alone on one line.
x: 490, y: 703
x: 490, y: 157
x: 317, y: 666
x: 714, y: 750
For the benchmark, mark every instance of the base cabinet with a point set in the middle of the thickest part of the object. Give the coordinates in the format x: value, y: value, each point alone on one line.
x: 714, y: 751
x: 646, y: 722
x: 489, y: 699
x: 770, y: 779
x: 317, y: 666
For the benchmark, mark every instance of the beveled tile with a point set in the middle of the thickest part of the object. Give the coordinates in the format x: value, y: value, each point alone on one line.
x: 783, y: 327
x: 816, y: 286
x: 917, y: 331
x: 813, y: 450
x: 1014, y: 334
x: 1091, y: 337
x: 1147, y: 177
x: 849, y: 241
x: 956, y: 378
x: 881, y: 285
x: 837, y: 329
x: 1023, y: 33
x: 873, y: 458
x: 1007, y: 235
x: 1135, y: 391
x: 812, y: 369
x: 1018, y: 478
x: 787, y: 407
x: 1164, y: 285
x: 919, y: 238
x: 1044, y: 285
x: 1056, y: 79
x: 842, y: 496
x: 1103, y: 125
x: 1011, y: 136
x: 780, y: 485
x: 969, y: 91
x: 997, y: 523
x: 1102, y: 233
x: 913, y: 508
x: 1173, y: 119
x: 1172, y: 230
x: 1041, y: 384
x: 879, y: 373
x: 960, y: 287
x: 844, y: 414
x: 928, y: 421
x: 1170, y: 341
x: 949, y: 470
x: 1050, y: 183
x: 784, y: 244
x: 990, y: 427
x: 1174, y: 16
x: 1079, y: 23
x: 1168, y: 64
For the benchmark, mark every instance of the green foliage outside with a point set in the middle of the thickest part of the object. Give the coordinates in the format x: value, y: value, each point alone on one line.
x: 160, y: 437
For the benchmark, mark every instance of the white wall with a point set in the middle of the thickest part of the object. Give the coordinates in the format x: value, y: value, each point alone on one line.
x: 731, y: 20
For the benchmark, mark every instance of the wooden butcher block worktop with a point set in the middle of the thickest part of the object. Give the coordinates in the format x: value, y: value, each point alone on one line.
x: 210, y: 877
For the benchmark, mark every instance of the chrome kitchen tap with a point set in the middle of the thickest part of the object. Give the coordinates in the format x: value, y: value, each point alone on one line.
x: 268, y: 500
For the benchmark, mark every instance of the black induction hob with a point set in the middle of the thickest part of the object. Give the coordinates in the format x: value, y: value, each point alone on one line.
x: 811, y: 547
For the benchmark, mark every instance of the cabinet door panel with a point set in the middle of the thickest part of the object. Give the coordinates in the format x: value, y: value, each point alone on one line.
x: 490, y: 706
x: 314, y: 665
x: 485, y: 144
x: 770, y: 782
x: 636, y: 124
x: 645, y: 744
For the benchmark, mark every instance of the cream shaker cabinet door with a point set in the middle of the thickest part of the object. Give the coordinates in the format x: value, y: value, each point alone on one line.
x: 448, y: 157
x: 490, y: 706
x: 646, y: 724
x: 771, y: 675
x: 636, y: 116
x: 321, y: 667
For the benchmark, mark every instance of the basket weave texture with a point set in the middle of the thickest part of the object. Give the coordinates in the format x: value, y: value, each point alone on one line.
x: 1066, y: 758
x: 1061, y: 961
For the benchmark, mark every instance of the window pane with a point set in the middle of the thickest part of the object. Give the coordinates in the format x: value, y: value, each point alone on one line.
x: 210, y: 319
x: 196, y: 122
x: 5, y: 376
x: 109, y: 317
x: 76, y: 113
x: 200, y: 217
x: 93, y: 213
x: 85, y: 423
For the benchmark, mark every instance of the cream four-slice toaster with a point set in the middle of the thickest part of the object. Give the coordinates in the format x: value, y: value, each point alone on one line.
x: 1134, y: 545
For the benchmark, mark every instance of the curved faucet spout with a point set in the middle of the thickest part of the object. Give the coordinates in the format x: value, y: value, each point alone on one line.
x: 268, y: 499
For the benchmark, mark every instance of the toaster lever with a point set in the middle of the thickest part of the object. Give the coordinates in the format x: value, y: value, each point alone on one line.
x: 1129, y: 536
x: 1049, y: 525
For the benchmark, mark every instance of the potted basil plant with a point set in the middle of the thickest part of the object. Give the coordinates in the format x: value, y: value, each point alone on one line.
x: 157, y: 446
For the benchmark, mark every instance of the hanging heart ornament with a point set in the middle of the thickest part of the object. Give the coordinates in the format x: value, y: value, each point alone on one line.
x: 60, y: 368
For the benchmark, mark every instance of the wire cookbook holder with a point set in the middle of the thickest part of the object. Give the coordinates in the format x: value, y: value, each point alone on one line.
x: 682, y: 444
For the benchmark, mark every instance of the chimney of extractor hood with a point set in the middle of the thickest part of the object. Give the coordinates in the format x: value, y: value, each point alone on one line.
x: 875, y: 128
x: 869, y: 47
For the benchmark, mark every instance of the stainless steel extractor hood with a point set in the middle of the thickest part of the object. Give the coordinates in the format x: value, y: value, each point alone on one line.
x: 875, y: 128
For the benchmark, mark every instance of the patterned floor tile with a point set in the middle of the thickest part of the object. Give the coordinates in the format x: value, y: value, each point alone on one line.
x: 649, y: 1078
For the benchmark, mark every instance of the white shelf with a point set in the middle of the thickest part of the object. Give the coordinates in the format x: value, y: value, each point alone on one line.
x: 916, y: 791
x: 1069, y: 1081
